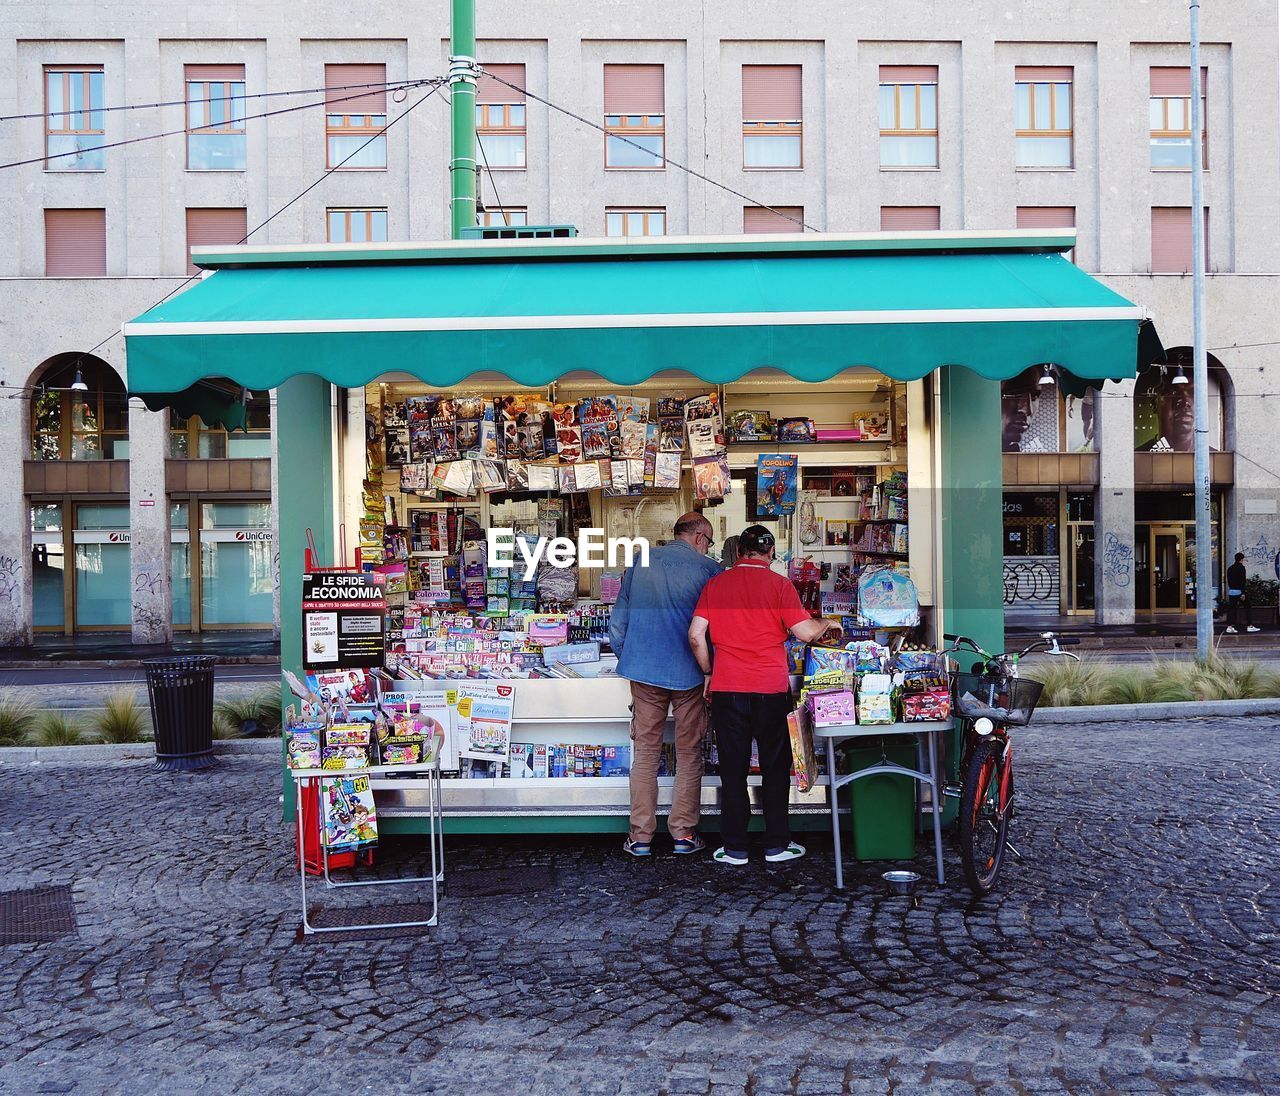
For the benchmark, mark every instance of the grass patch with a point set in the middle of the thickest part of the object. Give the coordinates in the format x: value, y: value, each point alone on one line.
x: 261, y: 709
x: 121, y: 719
x: 56, y: 729
x: 1166, y: 681
x: 17, y: 717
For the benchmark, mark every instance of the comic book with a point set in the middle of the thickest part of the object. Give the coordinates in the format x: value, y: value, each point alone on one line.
x: 302, y: 746
x: 777, y: 475
x: 350, y: 817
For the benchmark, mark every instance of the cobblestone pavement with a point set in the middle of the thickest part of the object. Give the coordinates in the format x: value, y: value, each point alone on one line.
x: 1133, y: 948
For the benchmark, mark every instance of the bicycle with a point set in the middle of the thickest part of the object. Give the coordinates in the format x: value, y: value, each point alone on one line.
x: 989, y: 700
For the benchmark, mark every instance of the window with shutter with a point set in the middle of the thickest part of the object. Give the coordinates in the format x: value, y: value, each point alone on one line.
x: 500, y: 117
x: 777, y: 219
x: 1170, y: 107
x: 208, y: 227
x: 1042, y: 107
x: 1048, y: 217
x: 908, y: 116
x: 772, y: 116
x: 1171, y: 244
x: 74, y: 119
x: 355, y: 98
x: 75, y: 243
x: 910, y: 218
x: 634, y: 117
x: 215, y: 117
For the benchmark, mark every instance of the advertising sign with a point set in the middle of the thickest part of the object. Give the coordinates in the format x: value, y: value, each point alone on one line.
x: 343, y: 619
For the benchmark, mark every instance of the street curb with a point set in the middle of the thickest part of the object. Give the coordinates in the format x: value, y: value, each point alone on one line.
x: 132, y: 751
x: 1192, y: 709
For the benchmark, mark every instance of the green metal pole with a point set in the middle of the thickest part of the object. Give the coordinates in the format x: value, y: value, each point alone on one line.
x: 462, y: 89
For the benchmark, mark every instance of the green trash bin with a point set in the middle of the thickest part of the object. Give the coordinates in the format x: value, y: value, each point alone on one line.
x: 884, y: 805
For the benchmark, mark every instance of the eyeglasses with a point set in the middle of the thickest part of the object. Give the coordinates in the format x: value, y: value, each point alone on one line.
x: 710, y: 542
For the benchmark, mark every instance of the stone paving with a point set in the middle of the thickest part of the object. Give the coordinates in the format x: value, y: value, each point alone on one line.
x: 1132, y: 949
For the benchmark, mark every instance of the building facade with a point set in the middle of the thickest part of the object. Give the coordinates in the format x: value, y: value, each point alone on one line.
x: 838, y: 117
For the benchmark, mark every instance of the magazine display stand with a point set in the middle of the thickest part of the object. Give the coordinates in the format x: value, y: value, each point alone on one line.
x: 430, y: 787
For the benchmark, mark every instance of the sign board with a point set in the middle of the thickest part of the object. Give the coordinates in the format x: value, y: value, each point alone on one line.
x: 343, y: 616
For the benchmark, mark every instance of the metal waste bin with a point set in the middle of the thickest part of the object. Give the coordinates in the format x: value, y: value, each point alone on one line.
x: 181, y: 693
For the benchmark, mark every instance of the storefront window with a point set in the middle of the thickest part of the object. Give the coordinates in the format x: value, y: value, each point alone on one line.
x: 48, y: 566
x: 236, y: 548
x: 180, y: 564
x: 190, y: 438
x: 102, y: 576
x: 92, y: 424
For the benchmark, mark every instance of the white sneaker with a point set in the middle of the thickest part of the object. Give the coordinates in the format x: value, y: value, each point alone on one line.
x: 724, y: 856
x: 792, y: 852
x: 1251, y: 628
x: 1230, y: 631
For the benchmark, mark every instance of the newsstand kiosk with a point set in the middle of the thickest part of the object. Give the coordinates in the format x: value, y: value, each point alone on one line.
x: 427, y: 393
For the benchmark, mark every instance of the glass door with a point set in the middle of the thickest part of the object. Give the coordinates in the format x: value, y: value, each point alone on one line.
x: 103, y: 582
x: 1168, y: 569
x: 1080, y: 576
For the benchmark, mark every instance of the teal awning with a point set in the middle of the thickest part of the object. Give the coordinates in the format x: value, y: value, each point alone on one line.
x: 809, y: 305
x: 217, y: 403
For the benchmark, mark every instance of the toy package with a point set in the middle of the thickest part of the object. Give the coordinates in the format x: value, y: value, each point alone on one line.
x: 804, y: 760
x: 346, y: 746
x: 870, y: 657
x: 303, y: 746
x: 931, y: 705
x: 875, y: 699
x: 821, y: 659
x: 833, y: 707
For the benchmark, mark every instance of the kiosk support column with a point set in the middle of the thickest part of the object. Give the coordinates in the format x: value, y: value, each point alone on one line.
x: 972, y: 523
x: 305, y: 460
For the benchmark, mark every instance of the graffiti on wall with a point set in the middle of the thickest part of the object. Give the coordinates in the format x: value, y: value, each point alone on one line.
x: 1117, y: 561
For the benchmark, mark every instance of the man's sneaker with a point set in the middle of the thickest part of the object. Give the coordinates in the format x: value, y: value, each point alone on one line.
x: 780, y: 856
x: 1252, y: 628
x: 724, y: 856
x: 1230, y: 630
x: 687, y: 845
x: 637, y: 848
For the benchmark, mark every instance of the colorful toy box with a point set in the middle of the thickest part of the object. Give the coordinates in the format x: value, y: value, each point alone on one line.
x: 875, y: 699
x: 928, y: 706
x: 831, y: 708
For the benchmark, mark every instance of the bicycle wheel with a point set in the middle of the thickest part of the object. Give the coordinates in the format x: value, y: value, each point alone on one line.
x: 983, y: 827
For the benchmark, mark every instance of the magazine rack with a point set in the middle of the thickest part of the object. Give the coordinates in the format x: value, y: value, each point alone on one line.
x: 304, y: 778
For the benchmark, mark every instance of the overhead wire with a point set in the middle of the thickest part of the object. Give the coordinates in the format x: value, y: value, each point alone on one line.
x: 664, y: 157
x: 388, y: 84
x: 326, y: 101
x: 297, y: 197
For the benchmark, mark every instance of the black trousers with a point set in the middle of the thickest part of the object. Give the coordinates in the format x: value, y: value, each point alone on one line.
x: 1234, y: 601
x: 739, y: 718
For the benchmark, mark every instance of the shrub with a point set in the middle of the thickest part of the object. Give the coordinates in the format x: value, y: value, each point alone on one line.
x: 55, y: 729
x: 261, y: 709
x: 1068, y: 683
x: 1128, y: 687
x: 17, y: 714
x: 120, y: 720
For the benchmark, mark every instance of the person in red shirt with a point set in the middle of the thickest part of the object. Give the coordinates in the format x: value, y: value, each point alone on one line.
x: 747, y: 612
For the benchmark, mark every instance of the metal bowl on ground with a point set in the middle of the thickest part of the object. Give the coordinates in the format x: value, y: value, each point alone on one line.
x: 901, y: 882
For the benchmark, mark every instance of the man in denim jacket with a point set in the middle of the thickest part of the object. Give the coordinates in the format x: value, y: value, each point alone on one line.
x: 648, y: 630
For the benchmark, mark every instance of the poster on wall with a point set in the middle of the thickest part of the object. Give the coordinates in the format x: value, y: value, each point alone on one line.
x: 1164, y: 412
x: 343, y: 619
x: 1029, y: 415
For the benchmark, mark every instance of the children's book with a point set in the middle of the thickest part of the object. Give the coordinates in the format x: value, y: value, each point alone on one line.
x: 350, y: 817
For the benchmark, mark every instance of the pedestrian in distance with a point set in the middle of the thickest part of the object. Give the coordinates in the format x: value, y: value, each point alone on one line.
x: 747, y: 613
x: 1237, y: 577
x: 648, y: 630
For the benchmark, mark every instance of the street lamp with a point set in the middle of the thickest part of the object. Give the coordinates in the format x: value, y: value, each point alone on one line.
x: 78, y: 384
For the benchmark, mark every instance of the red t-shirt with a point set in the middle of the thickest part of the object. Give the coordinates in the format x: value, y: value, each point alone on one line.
x: 750, y: 610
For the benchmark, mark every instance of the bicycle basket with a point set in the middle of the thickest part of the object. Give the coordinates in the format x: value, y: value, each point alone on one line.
x: 1012, y: 702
